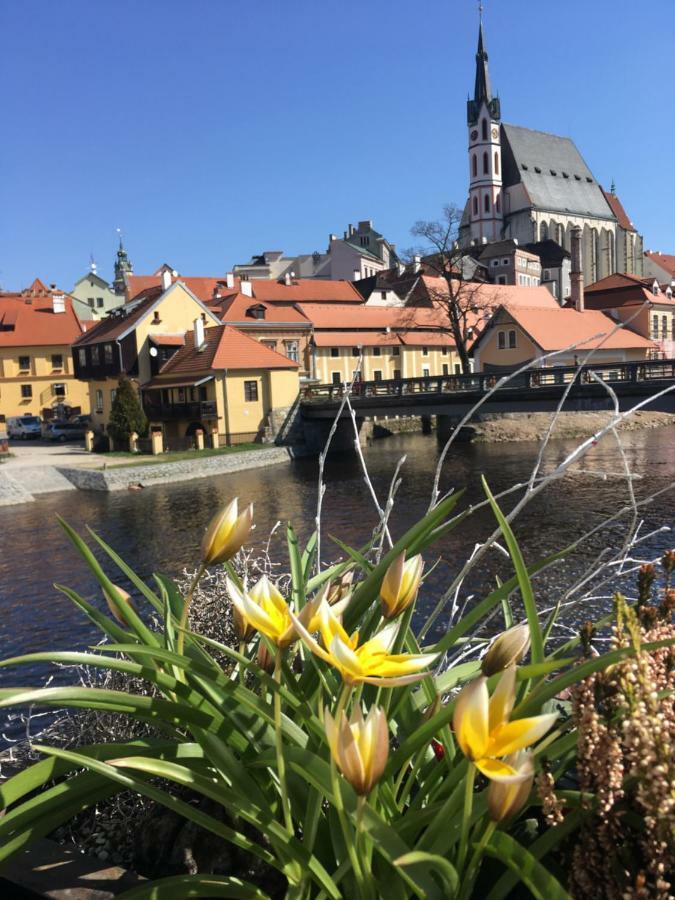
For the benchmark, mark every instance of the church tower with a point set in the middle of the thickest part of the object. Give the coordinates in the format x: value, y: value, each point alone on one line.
x: 123, y: 267
x: 485, y: 154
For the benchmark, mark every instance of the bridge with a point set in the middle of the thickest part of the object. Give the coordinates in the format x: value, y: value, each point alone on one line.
x: 450, y: 397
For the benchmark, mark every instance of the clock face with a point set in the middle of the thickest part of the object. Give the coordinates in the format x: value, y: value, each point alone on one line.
x: 474, y: 135
x: 495, y: 133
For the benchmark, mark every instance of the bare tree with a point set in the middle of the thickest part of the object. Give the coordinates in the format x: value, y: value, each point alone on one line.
x: 464, y: 298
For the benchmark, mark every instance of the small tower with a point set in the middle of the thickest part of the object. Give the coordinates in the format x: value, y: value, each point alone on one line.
x: 123, y: 267
x: 485, y: 153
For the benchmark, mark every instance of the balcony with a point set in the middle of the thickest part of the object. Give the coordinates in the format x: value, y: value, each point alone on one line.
x: 165, y: 412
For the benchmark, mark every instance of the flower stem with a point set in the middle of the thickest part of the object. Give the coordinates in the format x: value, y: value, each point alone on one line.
x: 183, y: 624
x: 281, y: 762
x: 466, y: 815
x: 474, y: 862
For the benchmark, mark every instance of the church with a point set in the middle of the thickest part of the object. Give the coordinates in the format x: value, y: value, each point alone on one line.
x: 533, y: 186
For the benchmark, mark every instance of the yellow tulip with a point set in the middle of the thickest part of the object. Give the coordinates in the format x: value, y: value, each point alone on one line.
x: 113, y: 603
x: 341, y: 588
x: 400, y: 584
x: 264, y: 609
x: 226, y: 533
x: 242, y: 628
x: 507, y: 649
x: 484, y: 732
x: 371, y: 663
x: 360, y: 747
x: 506, y: 799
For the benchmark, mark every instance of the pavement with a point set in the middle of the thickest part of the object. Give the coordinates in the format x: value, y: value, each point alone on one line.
x: 49, y: 453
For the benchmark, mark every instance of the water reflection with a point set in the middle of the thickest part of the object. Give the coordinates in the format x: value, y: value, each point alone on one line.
x: 160, y: 527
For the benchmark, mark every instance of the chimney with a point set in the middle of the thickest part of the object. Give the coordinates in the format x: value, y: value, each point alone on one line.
x: 331, y: 238
x: 58, y: 303
x: 166, y: 279
x: 287, y: 279
x: 229, y: 279
x: 577, y: 273
x: 247, y: 288
x: 199, y: 333
x: 417, y: 264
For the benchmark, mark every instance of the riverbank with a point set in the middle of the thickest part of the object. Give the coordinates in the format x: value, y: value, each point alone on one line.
x: 503, y: 427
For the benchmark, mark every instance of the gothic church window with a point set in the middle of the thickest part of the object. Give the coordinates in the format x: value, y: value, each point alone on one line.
x: 474, y: 165
x: 485, y: 164
x: 484, y: 129
x: 543, y: 234
x: 498, y: 204
x: 475, y: 206
x: 486, y: 203
x: 496, y: 163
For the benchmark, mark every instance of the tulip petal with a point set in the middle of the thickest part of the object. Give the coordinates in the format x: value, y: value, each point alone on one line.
x: 470, y: 719
x: 501, y: 702
x: 345, y: 659
x: 391, y: 583
x: 519, y: 734
x: 498, y: 770
x: 394, y: 680
x: 307, y: 638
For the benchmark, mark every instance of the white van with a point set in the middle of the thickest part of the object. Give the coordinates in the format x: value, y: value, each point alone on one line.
x: 24, y: 427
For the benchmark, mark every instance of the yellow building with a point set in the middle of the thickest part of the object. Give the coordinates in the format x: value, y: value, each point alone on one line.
x: 518, y: 335
x: 37, y: 328
x: 135, y: 340
x: 224, y: 383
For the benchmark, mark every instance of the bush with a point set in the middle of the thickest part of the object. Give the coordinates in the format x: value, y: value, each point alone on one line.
x: 127, y: 414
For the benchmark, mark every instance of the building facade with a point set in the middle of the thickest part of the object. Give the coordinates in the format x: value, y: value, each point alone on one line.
x: 94, y: 298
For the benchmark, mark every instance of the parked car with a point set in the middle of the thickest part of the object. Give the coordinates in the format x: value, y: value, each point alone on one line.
x: 85, y: 420
x: 65, y: 431
x: 24, y: 427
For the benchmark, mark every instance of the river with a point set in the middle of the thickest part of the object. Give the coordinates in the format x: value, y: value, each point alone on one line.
x: 160, y: 527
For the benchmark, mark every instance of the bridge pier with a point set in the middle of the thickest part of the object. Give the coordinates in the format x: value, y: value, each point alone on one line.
x: 316, y: 433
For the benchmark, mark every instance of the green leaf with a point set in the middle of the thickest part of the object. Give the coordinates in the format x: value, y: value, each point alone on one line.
x: 442, y: 867
x: 178, y: 887
x: 526, y: 592
x: 297, y: 569
x: 526, y: 867
x: 308, y: 555
x: 137, y: 582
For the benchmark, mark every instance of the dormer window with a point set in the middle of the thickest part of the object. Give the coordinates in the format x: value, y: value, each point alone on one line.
x: 256, y: 312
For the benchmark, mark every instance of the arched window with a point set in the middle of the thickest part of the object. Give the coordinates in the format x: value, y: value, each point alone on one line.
x: 498, y: 204
x: 475, y: 206
x: 486, y: 203
x: 486, y: 167
x: 561, y: 235
x: 484, y: 130
x: 543, y: 232
x: 474, y: 165
x: 496, y: 163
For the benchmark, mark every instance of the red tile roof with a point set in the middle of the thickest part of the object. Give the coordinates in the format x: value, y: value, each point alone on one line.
x: 341, y: 316
x: 426, y: 339
x: 306, y: 290
x: 234, y: 311
x: 27, y: 319
x: 203, y: 287
x: 620, y: 290
x: 617, y: 208
x: 167, y: 340
x: 488, y: 296
x: 664, y: 260
x: 224, y: 348
x: 110, y: 328
x: 556, y: 329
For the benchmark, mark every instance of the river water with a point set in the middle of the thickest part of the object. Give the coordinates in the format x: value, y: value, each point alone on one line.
x: 159, y: 528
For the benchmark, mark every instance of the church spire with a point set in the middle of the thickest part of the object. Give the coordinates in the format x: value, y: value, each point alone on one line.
x: 123, y: 267
x: 482, y: 92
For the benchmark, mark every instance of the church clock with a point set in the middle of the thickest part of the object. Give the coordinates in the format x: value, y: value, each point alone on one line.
x: 474, y: 135
x: 495, y: 133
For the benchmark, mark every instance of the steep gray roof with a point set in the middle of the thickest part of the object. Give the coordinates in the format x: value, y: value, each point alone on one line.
x: 553, y: 172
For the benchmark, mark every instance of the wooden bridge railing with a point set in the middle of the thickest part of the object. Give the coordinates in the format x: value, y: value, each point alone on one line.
x: 481, y: 382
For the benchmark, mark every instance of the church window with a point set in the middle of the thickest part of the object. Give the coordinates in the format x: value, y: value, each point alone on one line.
x: 496, y: 163
x: 543, y: 232
x: 475, y: 206
x: 484, y: 129
x: 486, y: 166
x: 486, y: 203
x: 498, y: 204
x: 561, y: 235
x: 474, y: 165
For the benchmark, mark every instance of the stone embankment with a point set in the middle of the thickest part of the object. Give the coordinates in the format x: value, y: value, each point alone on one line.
x: 123, y: 478
x: 496, y: 428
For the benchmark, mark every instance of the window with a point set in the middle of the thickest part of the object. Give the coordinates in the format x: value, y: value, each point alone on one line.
x: 383, y: 295
x: 91, y: 301
x: 543, y: 232
x: 506, y: 261
x: 474, y: 165
x: 446, y: 369
x: 336, y: 378
x: 498, y: 203
x: 397, y: 374
x: 494, y: 262
x: 59, y: 390
x: 113, y: 394
x: 496, y: 163
x: 292, y: 350
x: 364, y: 241
x: 377, y: 375
x: 655, y: 327
x: 501, y: 279
x: 108, y: 354
x: 664, y: 326
x: 95, y: 353
x: 547, y: 274
x: 377, y: 351
x: 26, y: 391
x: 395, y: 351
x: 425, y: 351
x: 486, y: 165
x: 256, y: 312
x: 24, y: 363
x: 512, y: 340
x: 458, y: 369
x: 425, y: 371
x: 483, y: 129
x: 271, y: 345
x: 486, y: 203
x: 251, y: 391
x: 82, y: 356
x: 501, y: 340
x: 356, y: 351
x: 475, y: 206
x: 99, y: 302
x: 57, y: 360
x: 444, y: 351
x: 99, y: 400
x: 334, y: 351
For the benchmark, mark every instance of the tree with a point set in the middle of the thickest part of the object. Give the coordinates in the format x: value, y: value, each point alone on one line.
x: 127, y: 414
x: 466, y: 300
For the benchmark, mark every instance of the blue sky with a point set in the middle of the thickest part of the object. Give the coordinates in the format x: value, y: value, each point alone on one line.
x: 213, y: 129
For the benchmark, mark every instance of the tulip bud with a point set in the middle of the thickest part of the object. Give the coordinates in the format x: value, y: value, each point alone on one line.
x: 265, y: 659
x: 243, y: 629
x: 113, y: 603
x: 400, y: 585
x: 226, y: 533
x: 340, y: 588
x: 507, y: 649
x: 360, y: 747
x: 507, y: 798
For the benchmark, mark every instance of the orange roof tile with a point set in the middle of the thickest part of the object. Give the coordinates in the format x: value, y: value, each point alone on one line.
x: 490, y: 295
x: 555, y: 329
x: 620, y: 290
x: 203, y: 287
x: 224, y: 348
x: 167, y: 340
x: 664, y: 260
x: 235, y: 311
x: 341, y: 316
x: 617, y: 208
x: 28, y: 319
x: 306, y: 290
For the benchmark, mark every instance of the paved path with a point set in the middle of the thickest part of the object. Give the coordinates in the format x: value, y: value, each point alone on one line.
x: 12, y: 491
x: 48, y: 453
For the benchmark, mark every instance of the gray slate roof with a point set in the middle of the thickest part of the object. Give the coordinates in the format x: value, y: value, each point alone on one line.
x: 553, y: 172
